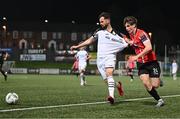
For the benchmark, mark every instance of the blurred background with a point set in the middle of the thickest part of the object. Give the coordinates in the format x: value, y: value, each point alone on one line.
x: 38, y: 34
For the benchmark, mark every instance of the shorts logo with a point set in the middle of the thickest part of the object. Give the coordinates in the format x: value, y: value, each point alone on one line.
x: 155, y: 71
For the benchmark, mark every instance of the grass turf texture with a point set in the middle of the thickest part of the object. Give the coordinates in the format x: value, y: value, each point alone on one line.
x: 49, y: 90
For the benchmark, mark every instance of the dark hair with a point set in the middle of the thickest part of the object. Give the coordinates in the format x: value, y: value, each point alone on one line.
x: 3, y: 52
x: 106, y: 15
x: 130, y: 20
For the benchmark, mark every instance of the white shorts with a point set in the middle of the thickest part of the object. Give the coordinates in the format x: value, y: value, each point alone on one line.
x: 82, y: 66
x: 174, y: 71
x: 104, y: 62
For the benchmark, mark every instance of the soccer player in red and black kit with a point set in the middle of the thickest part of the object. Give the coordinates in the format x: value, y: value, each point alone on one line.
x: 148, y: 66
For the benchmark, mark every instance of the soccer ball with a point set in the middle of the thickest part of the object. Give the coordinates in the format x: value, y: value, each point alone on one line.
x: 11, y: 98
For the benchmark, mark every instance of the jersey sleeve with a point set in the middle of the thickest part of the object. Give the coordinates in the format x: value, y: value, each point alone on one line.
x: 122, y: 41
x: 144, y: 37
x: 95, y: 34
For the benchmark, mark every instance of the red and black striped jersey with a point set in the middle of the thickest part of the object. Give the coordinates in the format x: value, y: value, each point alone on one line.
x: 138, y: 38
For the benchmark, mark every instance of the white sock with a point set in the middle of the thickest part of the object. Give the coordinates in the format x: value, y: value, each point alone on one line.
x: 174, y: 76
x: 81, y: 78
x: 111, y: 86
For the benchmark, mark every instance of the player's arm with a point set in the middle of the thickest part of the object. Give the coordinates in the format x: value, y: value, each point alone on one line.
x: 129, y: 41
x: 148, y: 47
x: 85, y: 43
x: 88, y: 57
x: 127, y: 62
x: 75, y: 57
x: 6, y: 56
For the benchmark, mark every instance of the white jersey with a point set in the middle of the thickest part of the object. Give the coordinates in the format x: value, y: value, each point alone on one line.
x: 109, y: 43
x: 82, y: 56
x: 174, y: 67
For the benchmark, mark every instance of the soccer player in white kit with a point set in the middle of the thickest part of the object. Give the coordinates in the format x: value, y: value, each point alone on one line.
x: 109, y: 43
x: 82, y: 57
x: 174, y: 69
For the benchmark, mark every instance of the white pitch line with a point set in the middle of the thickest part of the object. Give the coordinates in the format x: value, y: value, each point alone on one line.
x: 80, y: 104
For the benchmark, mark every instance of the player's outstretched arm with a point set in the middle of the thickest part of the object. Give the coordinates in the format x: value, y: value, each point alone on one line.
x: 85, y: 43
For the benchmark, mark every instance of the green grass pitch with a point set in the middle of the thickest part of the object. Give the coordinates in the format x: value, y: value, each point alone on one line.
x: 53, y: 90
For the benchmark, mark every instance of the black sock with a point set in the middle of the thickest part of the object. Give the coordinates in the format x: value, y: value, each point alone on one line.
x: 131, y: 76
x: 3, y: 72
x: 154, y: 94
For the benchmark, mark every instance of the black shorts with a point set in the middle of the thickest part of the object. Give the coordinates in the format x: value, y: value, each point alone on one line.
x: 130, y: 71
x: 151, y: 68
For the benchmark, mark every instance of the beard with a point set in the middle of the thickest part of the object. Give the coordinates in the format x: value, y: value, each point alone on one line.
x: 104, y: 27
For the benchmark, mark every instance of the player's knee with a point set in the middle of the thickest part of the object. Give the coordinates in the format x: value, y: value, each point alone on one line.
x: 109, y: 72
x: 156, y: 85
x: 155, y: 82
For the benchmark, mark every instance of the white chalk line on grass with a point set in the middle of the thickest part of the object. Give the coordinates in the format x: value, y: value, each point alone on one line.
x: 80, y: 104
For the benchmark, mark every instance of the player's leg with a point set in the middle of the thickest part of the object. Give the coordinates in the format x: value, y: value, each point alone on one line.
x: 82, y: 78
x: 131, y: 74
x: 147, y: 83
x: 155, y: 71
x: 111, y: 62
x: 154, y: 74
x: 110, y: 80
x: 84, y: 69
x: 81, y: 75
x: 174, y: 76
x: 155, y: 82
x: 3, y: 72
x: 151, y: 90
x: 111, y: 84
x: 102, y: 71
x: 76, y: 63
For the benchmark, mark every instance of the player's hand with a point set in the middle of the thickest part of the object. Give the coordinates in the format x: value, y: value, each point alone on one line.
x: 133, y: 58
x: 73, y: 47
x: 128, y: 41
